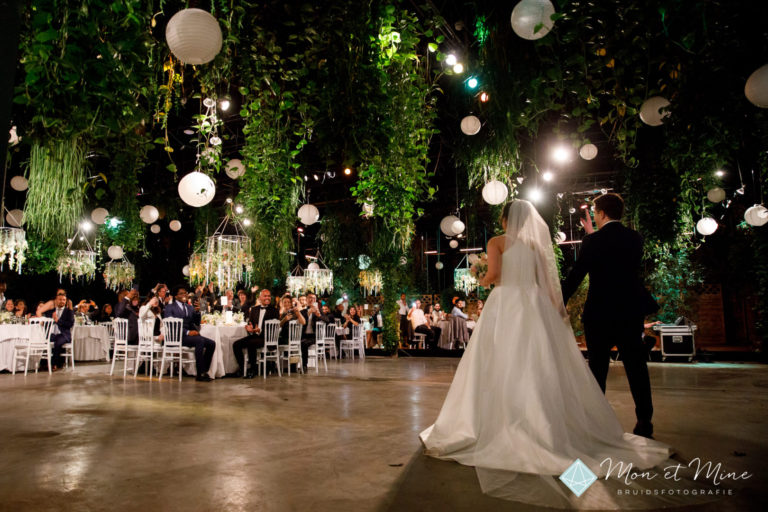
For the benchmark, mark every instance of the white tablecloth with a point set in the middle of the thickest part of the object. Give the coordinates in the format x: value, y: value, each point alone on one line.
x: 223, y: 358
x: 9, y: 333
x: 90, y: 342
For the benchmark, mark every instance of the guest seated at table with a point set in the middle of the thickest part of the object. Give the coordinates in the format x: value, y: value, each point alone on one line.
x: 190, y: 332
x: 338, y: 312
x: 128, y: 308
x: 457, y: 310
x: 105, y: 315
x: 21, y: 310
x: 312, y: 314
x: 161, y: 292
x: 220, y: 305
x: 242, y: 304
x: 255, y: 340
x: 205, y: 300
x: 290, y: 312
x: 63, y: 320
x: 437, y: 314
x: 151, y: 310
x: 83, y: 312
x: 327, y: 316
x: 429, y: 311
x: 478, y: 309
x: 10, y: 306
x: 302, y: 302
x: 421, y: 325
x: 351, y: 318
x: 377, y: 326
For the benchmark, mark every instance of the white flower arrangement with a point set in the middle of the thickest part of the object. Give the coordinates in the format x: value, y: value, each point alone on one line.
x: 119, y: 274
x: 13, y: 244
x: 77, y: 264
x: 7, y: 317
x: 218, y: 319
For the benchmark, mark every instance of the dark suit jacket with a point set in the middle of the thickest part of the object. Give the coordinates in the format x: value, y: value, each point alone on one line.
x: 313, y: 321
x: 253, y: 317
x: 612, y: 258
x: 126, y: 310
x: 65, y: 322
x: 186, y: 312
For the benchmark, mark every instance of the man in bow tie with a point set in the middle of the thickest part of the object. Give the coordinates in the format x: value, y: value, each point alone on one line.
x: 204, y: 347
x: 255, y: 340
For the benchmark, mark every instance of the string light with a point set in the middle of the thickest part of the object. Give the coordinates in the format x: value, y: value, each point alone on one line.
x: 451, y: 59
x: 458, y: 68
x: 347, y: 171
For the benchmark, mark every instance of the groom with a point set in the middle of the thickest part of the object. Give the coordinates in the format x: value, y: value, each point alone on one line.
x: 617, y: 302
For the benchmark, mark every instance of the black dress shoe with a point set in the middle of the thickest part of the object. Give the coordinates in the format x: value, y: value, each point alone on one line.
x: 249, y: 375
x: 203, y: 378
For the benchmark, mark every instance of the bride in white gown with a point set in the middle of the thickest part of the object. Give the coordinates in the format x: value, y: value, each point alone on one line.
x: 523, y: 405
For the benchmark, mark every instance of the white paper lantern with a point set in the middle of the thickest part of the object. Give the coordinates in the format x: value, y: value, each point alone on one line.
x: 528, y: 14
x: 99, y: 215
x: 560, y: 237
x: 19, y: 183
x: 308, y: 214
x: 14, y: 218
x: 313, y: 266
x: 454, y: 244
x: 588, y: 151
x: 446, y: 225
x: 715, y: 195
x: 756, y: 88
x: 185, y: 270
x: 471, y: 125
x: 495, y: 192
x: 154, y: 228
x: 149, y: 214
x: 234, y: 168
x: 197, y: 189
x: 756, y: 215
x: 649, y: 111
x: 706, y: 226
x: 175, y: 225
x: 194, y: 36
x: 458, y: 227
x: 439, y: 265
x: 115, y: 252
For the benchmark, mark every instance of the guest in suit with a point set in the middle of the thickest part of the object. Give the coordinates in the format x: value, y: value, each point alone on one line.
x: 61, y: 331
x: 616, y: 304
x: 161, y: 292
x: 190, y: 333
x: 230, y: 295
x: 312, y: 315
x: 255, y: 339
x: 128, y: 308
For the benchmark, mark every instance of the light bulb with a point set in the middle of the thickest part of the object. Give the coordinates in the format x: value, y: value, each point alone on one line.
x: 484, y: 97
x: 534, y: 195
x: 547, y: 176
x: 561, y: 154
x: 451, y: 59
x: 86, y: 226
x: 347, y: 171
x: 238, y: 209
x: 472, y: 83
x: 246, y: 222
x: 224, y: 105
x: 458, y: 68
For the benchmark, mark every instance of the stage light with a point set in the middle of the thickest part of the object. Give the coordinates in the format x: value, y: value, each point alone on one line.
x: 451, y: 59
x: 561, y: 154
x: 458, y: 68
x: 347, y: 171
x: 472, y: 82
x: 547, y: 176
x: 484, y: 97
x: 535, y: 195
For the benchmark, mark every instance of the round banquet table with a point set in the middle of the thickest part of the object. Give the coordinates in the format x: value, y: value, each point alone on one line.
x: 223, y: 361
x: 9, y: 335
x: 90, y: 342
x: 446, y: 334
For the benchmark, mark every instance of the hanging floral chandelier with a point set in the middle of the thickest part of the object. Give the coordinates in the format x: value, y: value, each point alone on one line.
x: 13, y: 244
x: 295, y: 282
x: 226, y: 259
x: 119, y: 274
x: 78, y: 260
x: 463, y: 280
x: 318, y: 279
x: 371, y: 281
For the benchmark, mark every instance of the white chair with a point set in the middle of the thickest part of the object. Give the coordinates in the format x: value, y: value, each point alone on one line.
x: 330, y: 341
x: 37, y: 345
x: 293, y: 348
x: 419, y: 340
x: 271, y: 351
x: 317, y: 351
x: 358, y: 341
x: 122, y: 350
x: 147, y: 347
x: 110, y: 334
x: 173, y: 350
x: 69, y: 353
x: 348, y: 345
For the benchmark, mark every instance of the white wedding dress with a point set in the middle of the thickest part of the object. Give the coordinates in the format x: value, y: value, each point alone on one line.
x: 523, y: 404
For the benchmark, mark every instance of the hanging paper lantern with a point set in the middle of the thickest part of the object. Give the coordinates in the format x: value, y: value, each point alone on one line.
x: 756, y: 215
x: 529, y: 14
x: 197, y: 189
x: 149, y: 214
x: 99, y: 215
x: 715, y: 195
x: 15, y: 217
x: 19, y: 183
x: 706, y: 226
x: 313, y: 266
x: 154, y: 228
x: 234, y: 168
x: 439, y: 265
x: 194, y: 36
x: 447, y: 225
x: 308, y: 214
x: 115, y: 252
x: 650, y: 111
x: 588, y: 151
x: 453, y: 244
x: 185, y: 270
x: 560, y: 237
x: 495, y: 192
x: 175, y: 225
x: 470, y: 125
x: 756, y: 88
x: 458, y: 227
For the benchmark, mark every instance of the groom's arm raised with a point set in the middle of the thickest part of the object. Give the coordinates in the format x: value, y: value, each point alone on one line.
x: 580, y: 269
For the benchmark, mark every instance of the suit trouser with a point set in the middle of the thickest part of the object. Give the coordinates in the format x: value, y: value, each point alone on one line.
x: 252, y: 343
x: 58, y: 348
x: 432, y: 334
x: 601, y: 336
x: 204, y: 348
x: 404, y: 324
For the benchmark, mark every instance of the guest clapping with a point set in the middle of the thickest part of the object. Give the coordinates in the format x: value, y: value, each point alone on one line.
x: 351, y: 318
x: 255, y: 339
x: 204, y: 347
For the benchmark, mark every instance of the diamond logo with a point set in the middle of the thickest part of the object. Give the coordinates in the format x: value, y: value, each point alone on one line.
x: 578, y: 477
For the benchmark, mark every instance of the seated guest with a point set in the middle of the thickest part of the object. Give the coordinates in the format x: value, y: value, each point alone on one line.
x: 457, y: 310
x: 63, y: 320
x: 290, y: 313
x: 312, y: 315
x: 241, y: 303
x: 429, y: 311
x: 190, y: 332
x: 339, y: 312
x: 151, y: 310
x: 326, y: 316
x: 128, y: 308
x: 83, y: 311
x: 351, y: 318
x: 161, y: 292
x: 206, y: 300
x: 421, y: 325
x: 10, y: 306
x: 230, y: 302
x: 437, y: 314
x: 478, y: 310
x: 302, y: 302
x: 377, y: 325
x: 21, y: 309
x: 105, y: 315
x: 255, y: 340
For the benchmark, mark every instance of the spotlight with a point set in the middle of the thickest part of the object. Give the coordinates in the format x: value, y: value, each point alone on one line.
x: 561, y: 154
x: 547, y: 176
x: 224, y: 104
x: 472, y: 82
x: 347, y: 171
x: 86, y: 226
x: 535, y: 195
x: 484, y: 97
x: 451, y: 59
x: 246, y: 222
x: 458, y: 68
x: 719, y: 173
x: 238, y: 209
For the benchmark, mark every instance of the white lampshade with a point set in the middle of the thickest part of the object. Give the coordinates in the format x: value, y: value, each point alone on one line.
x: 234, y: 168
x: 756, y: 215
x: 174, y: 225
x: 715, y: 195
x: 99, y: 215
x: 308, y: 214
x: 528, y: 14
x: 495, y: 192
x: 756, y: 88
x: 588, y: 151
x: 154, y: 228
x: 706, y: 226
x: 197, y: 189
x: 19, y: 183
x: 454, y: 244
x: 458, y: 227
x: 560, y: 237
x: 471, y: 125
x: 649, y: 111
x: 149, y: 214
x: 194, y: 36
x: 115, y: 252
x: 439, y: 265
x: 313, y: 266
x: 446, y: 225
x: 14, y: 218
x: 185, y: 270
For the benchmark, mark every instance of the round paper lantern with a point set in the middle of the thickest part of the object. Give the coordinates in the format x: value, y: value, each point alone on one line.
x: 560, y: 237
x: 528, y: 14
x: 149, y: 214
x: 706, y: 226
x: 194, y: 36
x: 715, y: 195
x: 99, y: 215
x: 14, y: 218
x: 234, y: 168
x: 649, y: 111
x: 115, y: 252
x: 313, y: 266
x: 19, y: 183
x: 756, y: 88
x: 446, y: 225
x: 458, y: 227
x: 175, y: 225
x: 154, y: 228
x: 308, y: 214
x: 470, y: 125
x: 588, y: 151
x: 454, y: 244
x: 495, y: 192
x: 197, y: 189
x: 756, y: 215
x: 439, y: 265
x: 185, y: 270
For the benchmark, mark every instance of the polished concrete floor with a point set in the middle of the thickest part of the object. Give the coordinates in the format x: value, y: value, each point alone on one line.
x: 345, y: 440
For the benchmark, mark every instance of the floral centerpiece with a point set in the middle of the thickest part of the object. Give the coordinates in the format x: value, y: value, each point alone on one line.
x: 217, y: 318
x: 119, y: 274
x: 7, y: 317
x: 77, y: 264
x: 13, y: 244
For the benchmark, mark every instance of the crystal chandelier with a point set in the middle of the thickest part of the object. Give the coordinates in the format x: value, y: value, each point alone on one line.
x: 78, y: 260
x: 371, y: 281
x: 227, y: 257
